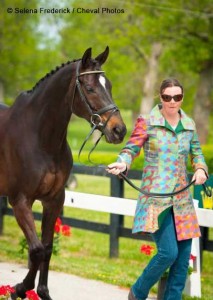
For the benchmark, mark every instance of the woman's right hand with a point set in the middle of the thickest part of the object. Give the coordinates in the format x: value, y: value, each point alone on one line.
x: 116, y: 168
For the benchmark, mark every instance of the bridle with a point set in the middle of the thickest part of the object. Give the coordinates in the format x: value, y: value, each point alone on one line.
x: 95, y: 116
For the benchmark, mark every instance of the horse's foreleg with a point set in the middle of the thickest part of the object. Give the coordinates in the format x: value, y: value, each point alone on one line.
x: 24, y: 216
x: 51, y: 210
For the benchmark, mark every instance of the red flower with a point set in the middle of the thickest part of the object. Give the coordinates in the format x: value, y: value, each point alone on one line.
x: 57, y: 228
x: 66, y: 231
x: 58, y: 224
x: 147, y: 249
x: 6, y: 289
x: 31, y: 295
x: 58, y: 221
x: 192, y: 257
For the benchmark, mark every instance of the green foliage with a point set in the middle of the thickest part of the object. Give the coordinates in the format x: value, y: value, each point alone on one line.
x: 25, y: 54
x: 15, y: 49
x: 207, y: 151
x: 23, y: 246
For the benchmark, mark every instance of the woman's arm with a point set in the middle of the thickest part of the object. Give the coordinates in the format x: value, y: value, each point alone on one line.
x: 198, y: 161
x: 132, y: 148
x: 135, y: 143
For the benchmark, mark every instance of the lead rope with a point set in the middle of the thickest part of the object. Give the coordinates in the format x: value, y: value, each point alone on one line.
x: 207, y: 191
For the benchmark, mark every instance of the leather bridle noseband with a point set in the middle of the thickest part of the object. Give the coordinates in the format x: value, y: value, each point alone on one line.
x: 95, y: 116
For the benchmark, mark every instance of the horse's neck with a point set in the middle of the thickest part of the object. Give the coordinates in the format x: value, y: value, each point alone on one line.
x: 49, y: 108
x: 56, y: 109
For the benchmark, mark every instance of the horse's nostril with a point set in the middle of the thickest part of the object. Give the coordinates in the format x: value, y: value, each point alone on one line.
x: 120, y: 131
x: 117, y: 130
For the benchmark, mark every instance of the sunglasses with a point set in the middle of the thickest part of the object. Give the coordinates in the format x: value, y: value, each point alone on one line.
x: 168, y: 98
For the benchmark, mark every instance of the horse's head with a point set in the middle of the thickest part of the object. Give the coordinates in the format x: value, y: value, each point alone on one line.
x: 93, y: 99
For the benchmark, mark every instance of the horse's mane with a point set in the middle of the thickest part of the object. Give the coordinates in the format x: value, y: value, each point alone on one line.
x: 51, y: 73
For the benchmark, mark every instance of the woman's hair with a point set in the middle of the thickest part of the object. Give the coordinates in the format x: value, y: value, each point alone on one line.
x: 169, y: 83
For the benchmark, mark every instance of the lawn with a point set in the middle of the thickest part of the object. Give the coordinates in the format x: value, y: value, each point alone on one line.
x: 86, y: 253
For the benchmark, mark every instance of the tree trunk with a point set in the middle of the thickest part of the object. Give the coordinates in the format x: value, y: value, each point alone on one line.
x: 150, y: 79
x: 1, y: 92
x: 203, y: 103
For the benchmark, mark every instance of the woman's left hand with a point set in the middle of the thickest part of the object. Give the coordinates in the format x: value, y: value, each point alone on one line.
x: 199, y: 176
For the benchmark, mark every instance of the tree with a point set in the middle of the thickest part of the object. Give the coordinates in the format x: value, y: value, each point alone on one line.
x: 191, y: 44
x: 24, y: 53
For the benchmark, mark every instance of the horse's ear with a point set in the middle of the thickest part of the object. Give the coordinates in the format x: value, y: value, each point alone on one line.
x: 101, y: 58
x: 86, y: 57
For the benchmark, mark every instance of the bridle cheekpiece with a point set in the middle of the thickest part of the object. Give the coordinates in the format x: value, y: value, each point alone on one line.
x: 95, y: 116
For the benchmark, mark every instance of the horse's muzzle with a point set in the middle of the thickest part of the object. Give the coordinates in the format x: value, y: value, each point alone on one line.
x: 115, y: 134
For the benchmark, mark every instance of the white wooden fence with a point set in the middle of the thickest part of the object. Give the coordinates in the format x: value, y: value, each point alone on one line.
x: 121, y: 206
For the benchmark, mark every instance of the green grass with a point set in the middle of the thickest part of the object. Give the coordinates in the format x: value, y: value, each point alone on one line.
x: 86, y: 253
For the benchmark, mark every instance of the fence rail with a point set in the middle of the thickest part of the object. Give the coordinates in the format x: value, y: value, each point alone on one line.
x: 116, y: 227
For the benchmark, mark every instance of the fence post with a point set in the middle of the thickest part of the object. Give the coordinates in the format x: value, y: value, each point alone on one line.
x: 204, y: 230
x: 3, y: 206
x: 116, y: 221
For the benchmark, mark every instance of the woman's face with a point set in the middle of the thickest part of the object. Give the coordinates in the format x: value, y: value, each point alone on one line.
x: 171, y: 107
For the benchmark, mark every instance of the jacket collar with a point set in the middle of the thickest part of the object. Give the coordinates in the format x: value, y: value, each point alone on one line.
x: 157, y: 119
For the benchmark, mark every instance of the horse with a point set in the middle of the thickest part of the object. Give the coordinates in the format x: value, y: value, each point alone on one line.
x: 35, y: 158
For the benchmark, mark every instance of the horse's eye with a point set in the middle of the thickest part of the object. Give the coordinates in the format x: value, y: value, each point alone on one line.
x: 89, y: 89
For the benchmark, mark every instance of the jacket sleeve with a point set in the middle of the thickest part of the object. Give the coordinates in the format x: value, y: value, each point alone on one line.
x: 196, y: 155
x: 135, y: 143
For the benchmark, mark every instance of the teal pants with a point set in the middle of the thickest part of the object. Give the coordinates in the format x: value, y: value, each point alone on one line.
x: 171, y: 254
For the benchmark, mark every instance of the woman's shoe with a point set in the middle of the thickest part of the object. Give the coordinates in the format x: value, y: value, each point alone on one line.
x: 131, y: 296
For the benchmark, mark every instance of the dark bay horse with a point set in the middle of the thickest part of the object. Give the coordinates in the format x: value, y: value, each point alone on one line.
x: 35, y: 159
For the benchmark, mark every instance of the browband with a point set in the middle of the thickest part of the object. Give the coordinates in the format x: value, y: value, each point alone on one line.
x: 90, y: 72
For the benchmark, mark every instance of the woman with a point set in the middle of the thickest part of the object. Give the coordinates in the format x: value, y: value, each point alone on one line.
x: 167, y: 136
